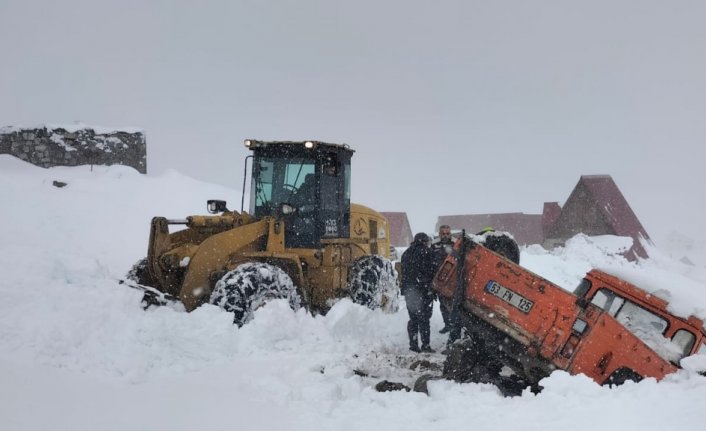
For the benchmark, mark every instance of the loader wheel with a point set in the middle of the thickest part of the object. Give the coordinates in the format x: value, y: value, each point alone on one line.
x: 503, y: 244
x: 372, y: 282
x: 249, y: 286
x: 140, y: 275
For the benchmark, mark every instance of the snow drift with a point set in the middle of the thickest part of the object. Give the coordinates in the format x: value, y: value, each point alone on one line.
x: 78, y: 353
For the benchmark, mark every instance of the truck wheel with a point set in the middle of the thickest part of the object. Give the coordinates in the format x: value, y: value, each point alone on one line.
x: 622, y: 375
x: 503, y: 244
x: 461, y: 359
x: 372, y: 282
x: 139, y: 273
x: 249, y: 286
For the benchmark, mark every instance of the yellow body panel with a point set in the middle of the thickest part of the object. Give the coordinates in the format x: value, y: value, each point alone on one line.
x: 370, y: 229
x: 187, y: 263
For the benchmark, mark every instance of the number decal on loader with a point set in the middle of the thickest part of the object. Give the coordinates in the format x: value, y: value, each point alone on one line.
x: 331, y: 227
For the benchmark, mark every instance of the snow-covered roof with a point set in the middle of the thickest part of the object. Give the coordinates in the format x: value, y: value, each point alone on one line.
x: 71, y: 128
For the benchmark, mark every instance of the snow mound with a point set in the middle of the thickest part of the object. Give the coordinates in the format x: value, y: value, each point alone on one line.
x: 78, y: 348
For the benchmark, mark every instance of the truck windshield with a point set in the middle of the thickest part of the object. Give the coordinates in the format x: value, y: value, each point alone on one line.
x: 647, y: 326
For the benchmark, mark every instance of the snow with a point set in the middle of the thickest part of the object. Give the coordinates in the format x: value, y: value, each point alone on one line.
x: 77, y: 352
x: 59, y: 140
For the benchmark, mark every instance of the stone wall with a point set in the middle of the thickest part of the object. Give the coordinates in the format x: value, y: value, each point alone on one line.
x: 47, y: 146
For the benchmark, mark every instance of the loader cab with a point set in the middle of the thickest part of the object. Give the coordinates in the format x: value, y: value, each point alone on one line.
x: 307, y: 184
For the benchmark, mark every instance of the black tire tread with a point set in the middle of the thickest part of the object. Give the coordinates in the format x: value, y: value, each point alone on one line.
x: 372, y: 282
x: 251, y: 285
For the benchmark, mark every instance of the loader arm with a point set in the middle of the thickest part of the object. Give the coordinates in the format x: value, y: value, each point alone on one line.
x: 212, y: 255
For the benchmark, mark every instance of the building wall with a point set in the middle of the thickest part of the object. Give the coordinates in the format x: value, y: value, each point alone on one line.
x: 525, y: 228
x: 400, y: 231
x: 68, y: 146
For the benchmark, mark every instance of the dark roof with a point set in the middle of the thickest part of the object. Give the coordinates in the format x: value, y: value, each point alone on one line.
x: 615, y: 207
x: 610, y: 202
x: 596, y: 207
x: 400, y: 231
x: 526, y: 228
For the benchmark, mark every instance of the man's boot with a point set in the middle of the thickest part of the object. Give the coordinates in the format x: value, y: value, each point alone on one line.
x: 412, y: 332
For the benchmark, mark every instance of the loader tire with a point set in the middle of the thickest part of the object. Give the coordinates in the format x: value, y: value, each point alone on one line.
x: 372, y: 282
x: 504, y: 245
x: 249, y: 286
x: 139, y: 273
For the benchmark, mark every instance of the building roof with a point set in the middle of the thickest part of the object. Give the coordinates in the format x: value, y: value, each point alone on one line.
x: 526, y: 228
x: 605, y: 196
x: 595, y: 207
x: 400, y: 231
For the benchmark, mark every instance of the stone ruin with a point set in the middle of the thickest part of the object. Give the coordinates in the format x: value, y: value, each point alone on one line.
x: 75, y: 145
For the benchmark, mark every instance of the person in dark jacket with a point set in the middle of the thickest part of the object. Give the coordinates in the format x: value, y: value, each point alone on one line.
x: 441, y: 249
x: 418, y: 269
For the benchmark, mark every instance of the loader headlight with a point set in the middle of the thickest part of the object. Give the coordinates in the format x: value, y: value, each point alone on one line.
x: 308, y: 144
x: 287, y: 209
x: 215, y: 206
x: 248, y: 143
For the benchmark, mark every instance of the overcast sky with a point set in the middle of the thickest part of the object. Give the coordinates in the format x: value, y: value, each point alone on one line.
x: 452, y: 107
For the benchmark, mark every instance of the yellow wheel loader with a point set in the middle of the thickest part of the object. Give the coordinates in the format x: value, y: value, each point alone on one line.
x: 302, y: 240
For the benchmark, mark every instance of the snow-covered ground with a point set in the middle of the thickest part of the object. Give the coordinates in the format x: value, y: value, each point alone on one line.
x: 78, y: 353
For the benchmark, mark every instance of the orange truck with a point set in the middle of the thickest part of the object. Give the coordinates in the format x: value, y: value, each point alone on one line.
x: 521, y: 327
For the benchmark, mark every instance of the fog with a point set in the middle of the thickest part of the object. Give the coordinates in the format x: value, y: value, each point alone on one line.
x: 452, y: 107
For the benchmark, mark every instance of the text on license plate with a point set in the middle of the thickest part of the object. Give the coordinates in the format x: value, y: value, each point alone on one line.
x: 516, y: 300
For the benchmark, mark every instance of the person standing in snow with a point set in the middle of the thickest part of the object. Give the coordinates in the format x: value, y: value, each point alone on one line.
x: 418, y: 269
x: 441, y: 249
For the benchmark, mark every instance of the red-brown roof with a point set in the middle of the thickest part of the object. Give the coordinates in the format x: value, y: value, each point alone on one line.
x: 595, y: 207
x: 605, y: 196
x: 400, y: 231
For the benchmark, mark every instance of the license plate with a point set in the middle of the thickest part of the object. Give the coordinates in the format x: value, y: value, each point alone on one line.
x: 516, y: 300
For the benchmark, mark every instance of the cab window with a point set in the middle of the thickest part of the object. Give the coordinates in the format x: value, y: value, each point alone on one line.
x: 640, y: 320
x: 644, y: 324
x: 277, y: 180
x: 261, y: 193
x: 684, y: 340
x: 295, y: 173
x: 608, y: 301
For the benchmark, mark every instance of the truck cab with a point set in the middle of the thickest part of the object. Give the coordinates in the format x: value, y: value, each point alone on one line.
x: 645, y: 315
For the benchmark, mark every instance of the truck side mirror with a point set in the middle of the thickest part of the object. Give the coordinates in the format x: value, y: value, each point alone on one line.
x: 215, y: 206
